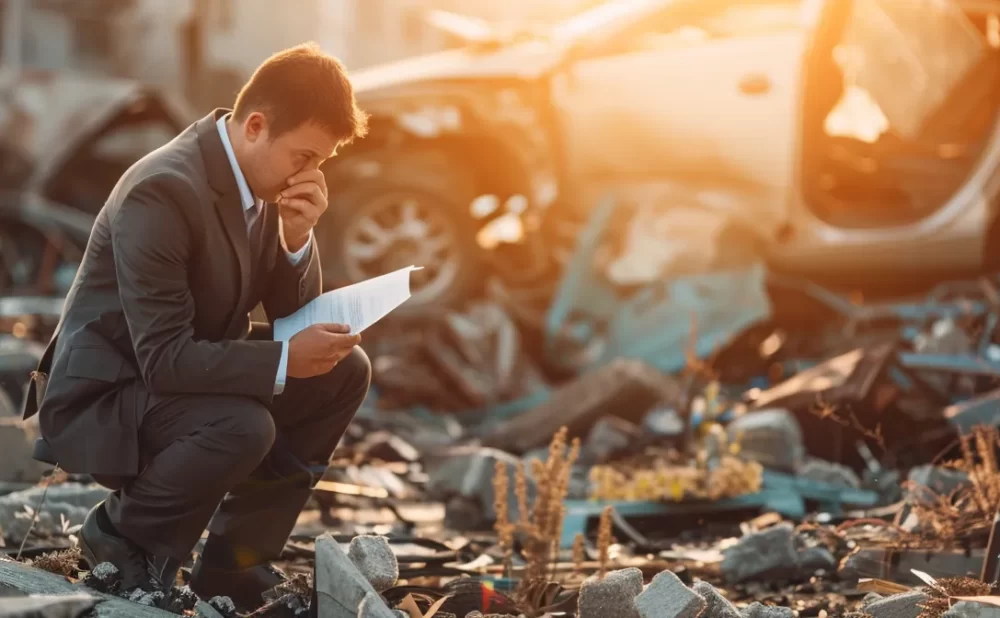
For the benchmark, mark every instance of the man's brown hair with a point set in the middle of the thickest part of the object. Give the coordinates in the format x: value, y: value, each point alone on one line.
x: 303, y: 84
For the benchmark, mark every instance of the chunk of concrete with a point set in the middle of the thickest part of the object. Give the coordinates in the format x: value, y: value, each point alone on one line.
x: 608, y: 436
x: 904, y: 605
x: 47, y: 606
x: 767, y: 554
x: 716, y: 605
x: 67, y: 503
x: 771, y: 437
x: 341, y: 588
x: 17, y: 578
x: 223, y: 605
x: 930, y: 481
x: 374, y: 558
x: 971, y: 609
x: 205, y: 610
x: 829, y: 472
x: 667, y: 597
x: 469, y: 472
x: 812, y: 559
x: 612, y: 595
x: 759, y: 610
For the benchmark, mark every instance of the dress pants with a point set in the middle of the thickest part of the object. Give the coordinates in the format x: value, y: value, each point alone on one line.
x: 234, y: 465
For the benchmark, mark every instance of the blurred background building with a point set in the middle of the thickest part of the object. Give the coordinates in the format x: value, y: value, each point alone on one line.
x: 207, y: 48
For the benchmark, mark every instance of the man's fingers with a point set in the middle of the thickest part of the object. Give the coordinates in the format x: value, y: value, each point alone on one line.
x: 339, y: 329
x: 344, y: 342
x: 297, y: 204
x: 313, y: 175
x: 303, y: 189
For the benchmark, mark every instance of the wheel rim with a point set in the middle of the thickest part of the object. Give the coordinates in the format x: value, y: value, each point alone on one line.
x: 397, y: 230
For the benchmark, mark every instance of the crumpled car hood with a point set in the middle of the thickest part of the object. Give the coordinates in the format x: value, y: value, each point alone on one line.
x: 526, y: 60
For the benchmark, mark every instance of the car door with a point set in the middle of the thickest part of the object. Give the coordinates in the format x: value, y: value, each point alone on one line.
x: 704, y: 89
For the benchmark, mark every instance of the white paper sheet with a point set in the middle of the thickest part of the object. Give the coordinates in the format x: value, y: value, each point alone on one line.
x: 359, y: 305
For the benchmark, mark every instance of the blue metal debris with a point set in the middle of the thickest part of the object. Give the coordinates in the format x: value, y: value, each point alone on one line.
x: 654, y: 324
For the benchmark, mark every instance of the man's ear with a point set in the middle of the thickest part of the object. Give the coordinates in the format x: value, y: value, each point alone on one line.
x: 255, y: 127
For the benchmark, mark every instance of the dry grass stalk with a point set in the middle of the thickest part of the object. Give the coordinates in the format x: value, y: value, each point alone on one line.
x: 503, y: 526
x: 829, y: 412
x: 59, y: 562
x: 946, y: 587
x: 604, y: 540
x: 968, y: 511
x: 579, y: 551
x: 539, y: 524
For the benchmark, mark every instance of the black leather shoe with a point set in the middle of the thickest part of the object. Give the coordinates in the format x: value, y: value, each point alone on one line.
x: 138, y: 570
x: 245, y: 587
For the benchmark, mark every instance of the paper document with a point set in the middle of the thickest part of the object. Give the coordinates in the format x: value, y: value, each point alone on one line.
x: 359, y: 305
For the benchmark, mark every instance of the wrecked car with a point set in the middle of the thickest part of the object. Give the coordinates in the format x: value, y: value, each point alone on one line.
x: 68, y: 138
x: 849, y: 139
x: 64, y: 142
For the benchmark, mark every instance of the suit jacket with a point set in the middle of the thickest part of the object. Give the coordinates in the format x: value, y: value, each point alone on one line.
x: 160, y: 305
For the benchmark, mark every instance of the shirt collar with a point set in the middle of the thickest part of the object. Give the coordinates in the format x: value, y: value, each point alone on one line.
x: 246, y: 195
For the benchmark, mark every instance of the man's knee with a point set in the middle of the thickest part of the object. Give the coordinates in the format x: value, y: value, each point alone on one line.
x: 354, y: 372
x: 247, y: 425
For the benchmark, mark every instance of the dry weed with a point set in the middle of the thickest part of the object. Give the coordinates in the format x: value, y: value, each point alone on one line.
x: 63, y: 562
x: 946, y: 587
x: 539, y: 524
x: 604, y: 540
x: 579, y: 551
x: 829, y: 412
x: 968, y: 511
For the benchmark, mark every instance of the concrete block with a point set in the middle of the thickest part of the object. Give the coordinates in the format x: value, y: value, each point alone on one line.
x: 904, y: 605
x: 374, y: 558
x: 767, y: 554
x: 613, y: 595
x: 970, y: 609
x: 341, y: 589
x: 667, y: 597
x: 716, y: 605
x: 758, y: 610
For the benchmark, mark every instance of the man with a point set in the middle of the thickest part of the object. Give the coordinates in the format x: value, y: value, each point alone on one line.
x: 156, y: 384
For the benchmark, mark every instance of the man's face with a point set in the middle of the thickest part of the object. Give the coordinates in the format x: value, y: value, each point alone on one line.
x: 271, y: 162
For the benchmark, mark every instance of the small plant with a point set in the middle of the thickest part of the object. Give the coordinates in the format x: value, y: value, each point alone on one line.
x: 539, y: 524
x: 969, y: 510
x: 59, y: 562
x: 579, y: 552
x: 942, y: 590
x: 604, y: 540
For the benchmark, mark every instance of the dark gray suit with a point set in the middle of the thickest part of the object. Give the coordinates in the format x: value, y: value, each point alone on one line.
x: 154, y: 375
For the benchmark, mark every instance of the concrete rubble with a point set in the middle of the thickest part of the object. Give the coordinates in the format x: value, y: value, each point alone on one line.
x: 905, y: 605
x: 374, y: 558
x: 612, y: 595
x: 667, y: 597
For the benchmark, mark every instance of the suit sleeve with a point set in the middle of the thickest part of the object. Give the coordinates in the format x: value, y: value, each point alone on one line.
x: 153, y: 250
x: 292, y: 285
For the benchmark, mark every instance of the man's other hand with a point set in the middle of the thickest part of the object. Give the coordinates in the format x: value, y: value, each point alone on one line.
x: 317, y: 349
x: 301, y: 206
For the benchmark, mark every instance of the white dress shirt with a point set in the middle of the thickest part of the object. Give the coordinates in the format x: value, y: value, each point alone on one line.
x: 252, y: 208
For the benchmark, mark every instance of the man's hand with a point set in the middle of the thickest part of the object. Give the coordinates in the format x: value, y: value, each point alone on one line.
x: 300, y: 206
x: 317, y: 349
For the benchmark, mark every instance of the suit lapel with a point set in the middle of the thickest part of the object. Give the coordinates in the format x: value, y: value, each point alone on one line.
x: 227, y: 203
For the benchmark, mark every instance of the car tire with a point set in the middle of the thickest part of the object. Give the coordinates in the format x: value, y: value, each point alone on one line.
x: 382, y: 187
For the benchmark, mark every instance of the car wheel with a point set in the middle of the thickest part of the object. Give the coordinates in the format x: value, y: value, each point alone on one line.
x: 412, y: 209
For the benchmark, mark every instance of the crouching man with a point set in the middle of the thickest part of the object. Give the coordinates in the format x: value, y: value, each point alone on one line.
x: 156, y: 383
